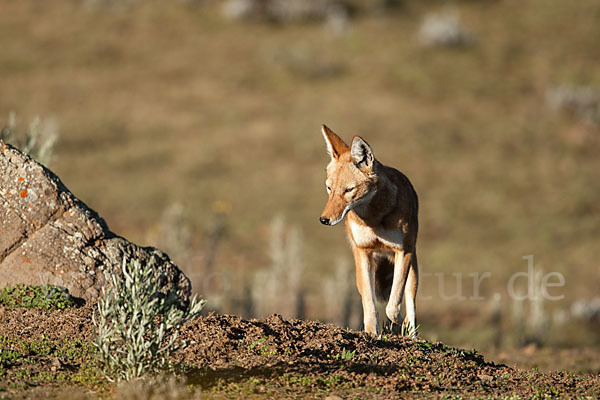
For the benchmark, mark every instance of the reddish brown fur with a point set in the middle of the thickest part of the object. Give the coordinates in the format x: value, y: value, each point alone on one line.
x: 392, y: 209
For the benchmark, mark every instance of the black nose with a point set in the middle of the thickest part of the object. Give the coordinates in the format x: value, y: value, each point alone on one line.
x: 324, y: 221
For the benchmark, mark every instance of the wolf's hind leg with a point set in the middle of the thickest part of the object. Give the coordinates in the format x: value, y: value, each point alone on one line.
x: 410, y: 291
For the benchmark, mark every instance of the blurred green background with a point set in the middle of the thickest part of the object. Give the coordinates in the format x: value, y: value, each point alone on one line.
x: 193, y: 126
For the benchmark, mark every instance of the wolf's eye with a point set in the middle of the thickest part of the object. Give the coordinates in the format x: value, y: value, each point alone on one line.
x: 349, y: 189
x: 328, y: 188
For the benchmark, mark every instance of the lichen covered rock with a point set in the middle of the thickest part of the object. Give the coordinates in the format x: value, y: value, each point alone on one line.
x: 48, y: 236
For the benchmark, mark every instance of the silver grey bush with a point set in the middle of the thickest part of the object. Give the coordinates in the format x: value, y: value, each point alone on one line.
x: 444, y: 29
x: 38, y: 140
x: 582, y: 101
x: 137, y: 327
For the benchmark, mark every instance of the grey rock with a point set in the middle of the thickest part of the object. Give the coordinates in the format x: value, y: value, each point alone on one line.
x: 48, y: 236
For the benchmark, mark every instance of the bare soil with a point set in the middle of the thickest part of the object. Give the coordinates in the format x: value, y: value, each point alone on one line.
x: 231, y: 357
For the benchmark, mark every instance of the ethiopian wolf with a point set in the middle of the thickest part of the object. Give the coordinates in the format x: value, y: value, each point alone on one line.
x: 381, y: 207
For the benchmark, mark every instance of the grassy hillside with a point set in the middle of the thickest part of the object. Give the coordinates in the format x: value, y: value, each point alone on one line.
x: 49, y: 354
x: 168, y: 103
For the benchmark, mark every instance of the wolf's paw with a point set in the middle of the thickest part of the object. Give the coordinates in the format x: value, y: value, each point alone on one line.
x: 394, y: 315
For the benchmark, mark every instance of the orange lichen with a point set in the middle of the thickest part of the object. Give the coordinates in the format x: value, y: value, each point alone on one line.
x: 23, y: 193
x: 21, y: 179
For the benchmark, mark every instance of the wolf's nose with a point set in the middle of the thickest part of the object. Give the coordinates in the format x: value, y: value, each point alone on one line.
x: 324, y: 221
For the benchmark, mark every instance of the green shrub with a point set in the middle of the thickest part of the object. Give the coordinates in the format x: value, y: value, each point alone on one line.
x: 137, y: 327
x: 46, y: 297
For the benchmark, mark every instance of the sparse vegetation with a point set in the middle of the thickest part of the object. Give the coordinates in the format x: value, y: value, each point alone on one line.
x: 346, y: 355
x: 47, y: 361
x: 261, y: 348
x: 137, y: 325
x: 38, y: 140
x: 407, y: 330
x: 46, y: 297
x: 582, y: 102
x: 278, y: 288
x: 344, y: 308
x: 444, y: 29
x: 249, y: 358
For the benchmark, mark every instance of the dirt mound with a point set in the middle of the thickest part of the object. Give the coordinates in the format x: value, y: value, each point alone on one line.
x: 48, y: 236
x: 310, y: 355
x: 235, y: 357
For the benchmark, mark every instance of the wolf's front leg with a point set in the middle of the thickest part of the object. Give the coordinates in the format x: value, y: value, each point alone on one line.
x: 365, y: 281
x: 401, y: 266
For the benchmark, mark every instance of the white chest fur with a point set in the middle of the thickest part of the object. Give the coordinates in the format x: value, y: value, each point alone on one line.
x: 365, y: 236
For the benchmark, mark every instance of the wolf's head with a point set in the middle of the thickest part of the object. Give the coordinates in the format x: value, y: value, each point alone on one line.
x: 351, y: 176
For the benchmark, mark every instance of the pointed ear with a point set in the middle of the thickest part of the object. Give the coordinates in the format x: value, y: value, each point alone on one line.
x: 362, y: 155
x: 335, y: 145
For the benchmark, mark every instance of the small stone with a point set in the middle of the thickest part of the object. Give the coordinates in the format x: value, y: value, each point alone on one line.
x: 56, y: 364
